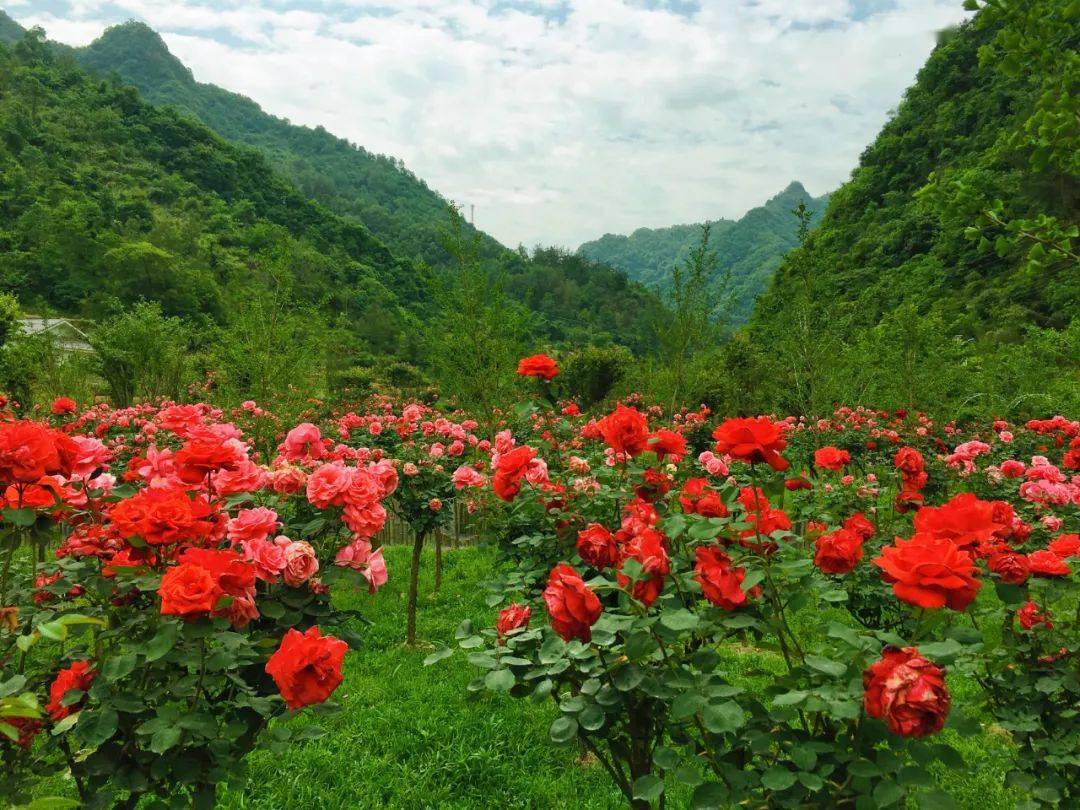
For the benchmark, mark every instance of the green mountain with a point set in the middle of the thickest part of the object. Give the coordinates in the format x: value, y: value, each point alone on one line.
x: 105, y: 199
x: 748, y: 250
x: 570, y: 300
x: 376, y: 190
x: 949, y: 259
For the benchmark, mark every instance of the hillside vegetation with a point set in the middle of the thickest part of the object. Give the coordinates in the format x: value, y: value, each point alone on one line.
x: 748, y: 250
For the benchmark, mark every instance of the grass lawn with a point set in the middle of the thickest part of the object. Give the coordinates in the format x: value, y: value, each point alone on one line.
x: 411, y: 736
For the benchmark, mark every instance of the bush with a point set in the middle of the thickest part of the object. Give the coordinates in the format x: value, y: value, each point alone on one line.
x: 589, y: 375
x: 142, y: 354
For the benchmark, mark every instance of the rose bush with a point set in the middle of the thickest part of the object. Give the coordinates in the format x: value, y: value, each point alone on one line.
x: 180, y: 603
x: 702, y: 622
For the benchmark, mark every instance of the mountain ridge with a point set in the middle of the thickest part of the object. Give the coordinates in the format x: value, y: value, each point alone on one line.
x: 750, y: 248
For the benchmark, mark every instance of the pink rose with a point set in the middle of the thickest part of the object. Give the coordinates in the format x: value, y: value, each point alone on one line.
x: 252, y: 524
x: 268, y: 557
x: 466, y: 476
x: 304, y: 442
x: 359, y: 556
x: 326, y: 486
x: 300, y: 563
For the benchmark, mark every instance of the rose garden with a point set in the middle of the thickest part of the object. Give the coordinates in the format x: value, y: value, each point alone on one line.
x: 708, y: 611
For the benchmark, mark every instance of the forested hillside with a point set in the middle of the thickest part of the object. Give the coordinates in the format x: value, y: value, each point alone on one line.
x: 955, y: 236
x: 376, y: 190
x: 748, y: 250
x: 106, y: 200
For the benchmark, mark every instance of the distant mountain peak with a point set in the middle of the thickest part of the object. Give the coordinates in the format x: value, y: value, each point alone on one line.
x: 10, y: 31
x: 136, y: 43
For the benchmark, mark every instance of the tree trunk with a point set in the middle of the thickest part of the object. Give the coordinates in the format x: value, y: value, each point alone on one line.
x: 414, y: 578
x: 438, y: 560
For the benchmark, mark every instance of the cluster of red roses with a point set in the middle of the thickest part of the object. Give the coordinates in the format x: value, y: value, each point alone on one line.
x: 937, y: 566
x: 188, y: 525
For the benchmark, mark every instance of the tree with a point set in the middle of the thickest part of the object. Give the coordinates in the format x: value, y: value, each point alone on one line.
x: 142, y: 354
x: 691, y: 324
x: 477, y: 334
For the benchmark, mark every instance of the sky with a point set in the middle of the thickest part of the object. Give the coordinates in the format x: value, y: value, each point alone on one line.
x: 561, y: 120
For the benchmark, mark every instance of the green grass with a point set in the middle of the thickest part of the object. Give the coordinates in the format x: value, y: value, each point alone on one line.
x: 412, y: 736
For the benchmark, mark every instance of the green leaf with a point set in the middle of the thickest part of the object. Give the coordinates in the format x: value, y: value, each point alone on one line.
x: 24, y: 518
x: 648, y: 787
x: 165, y: 738
x: 591, y: 718
x: 439, y: 655
x: 686, y: 705
x: 863, y: 768
x: 710, y: 796
x: 563, y: 729
x: 724, y: 718
x: 887, y: 792
x: 98, y: 726
x: 778, y: 778
x: 790, y: 698
x: 500, y: 680
x: 826, y: 665
x: 119, y: 667
x: 163, y: 641
x: 679, y: 620
x: 640, y: 644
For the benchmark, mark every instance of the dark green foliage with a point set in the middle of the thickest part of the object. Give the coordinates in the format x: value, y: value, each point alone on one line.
x: 376, y: 190
x: 588, y: 375
x: 578, y: 301
x: 142, y: 355
x: 952, y: 240
x: 749, y: 250
x: 337, y: 264
x: 106, y: 200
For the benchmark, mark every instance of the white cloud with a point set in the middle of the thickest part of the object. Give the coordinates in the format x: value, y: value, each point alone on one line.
x: 561, y: 120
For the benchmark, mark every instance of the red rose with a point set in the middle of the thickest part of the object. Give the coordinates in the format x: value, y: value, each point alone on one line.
x: 165, y: 516
x: 720, y: 581
x: 189, y: 591
x: 763, y: 517
x: 538, y: 365
x: 668, y: 445
x: 698, y: 498
x: 78, y: 676
x: 838, y: 552
x: 1010, y: 566
x: 929, y: 572
x: 198, y: 458
x: 509, y: 470
x: 859, y: 524
x: 909, y: 462
x: 965, y: 520
x: 755, y: 441
x: 649, y: 548
x: 907, y: 692
x: 795, y: 484
x: 625, y: 430
x: 597, y: 547
x: 831, y: 458
x: 1065, y: 546
x: 30, y: 450
x: 307, y: 667
x: 203, y: 576
x: 572, y: 607
x: 1031, y: 617
x: 511, y: 618
x: 1046, y: 563
x: 63, y: 405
